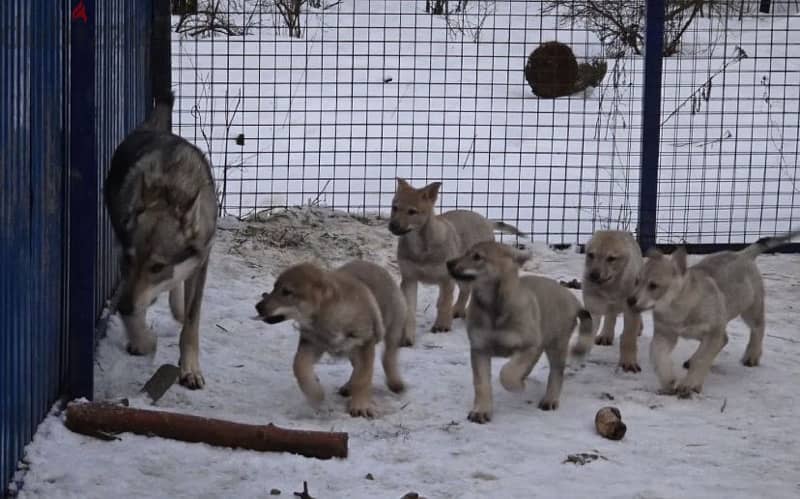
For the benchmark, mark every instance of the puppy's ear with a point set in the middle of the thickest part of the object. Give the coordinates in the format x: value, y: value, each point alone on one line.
x: 431, y: 191
x: 521, y: 256
x: 654, y: 253
x: 679, y: 257
x: 402, y: 185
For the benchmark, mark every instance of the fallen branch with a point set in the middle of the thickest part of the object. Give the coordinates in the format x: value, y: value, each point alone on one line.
x: 93, y: 418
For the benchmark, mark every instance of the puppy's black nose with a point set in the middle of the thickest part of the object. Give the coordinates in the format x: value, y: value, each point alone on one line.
x: 631, y: 301
x: 594, y: 276
x: 260, y: 308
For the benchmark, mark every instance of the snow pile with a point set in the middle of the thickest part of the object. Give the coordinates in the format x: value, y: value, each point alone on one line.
x: 738, y: 439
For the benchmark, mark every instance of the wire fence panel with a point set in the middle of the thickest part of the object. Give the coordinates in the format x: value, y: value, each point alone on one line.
x: 326, y: 102
x: 731, y: 101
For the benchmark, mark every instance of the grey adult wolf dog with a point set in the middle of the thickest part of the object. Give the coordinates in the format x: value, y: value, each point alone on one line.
x: 160, y: 196
x: 697, y: 303
x: 517, y: 317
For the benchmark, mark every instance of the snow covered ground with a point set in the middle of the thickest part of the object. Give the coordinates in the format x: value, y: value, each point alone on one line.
x: 738, y: 439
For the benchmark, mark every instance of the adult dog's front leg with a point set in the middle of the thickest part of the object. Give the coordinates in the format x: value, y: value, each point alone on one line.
x: 191, y: 376
x: 141, y: 340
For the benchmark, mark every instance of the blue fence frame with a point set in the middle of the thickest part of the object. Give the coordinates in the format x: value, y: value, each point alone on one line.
x: 75, y: 81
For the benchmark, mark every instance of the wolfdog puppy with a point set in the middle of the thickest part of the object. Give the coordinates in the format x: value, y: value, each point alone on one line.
x: 698, y: 302
x: 613, y: 260
x: 344, y: 312
x: 160, y: 197
x: 517, y: 317
x: 426, y: 242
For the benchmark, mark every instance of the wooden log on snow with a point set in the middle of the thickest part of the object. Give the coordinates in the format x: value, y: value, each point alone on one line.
x: 97, y: 418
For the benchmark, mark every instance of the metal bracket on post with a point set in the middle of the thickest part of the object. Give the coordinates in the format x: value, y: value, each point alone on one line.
x: 82, y: 201
x: 651, y: 122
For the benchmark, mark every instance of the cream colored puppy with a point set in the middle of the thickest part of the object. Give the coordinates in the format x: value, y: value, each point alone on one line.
x: 344, y: 313
x: 516, y: 317
x: 613, y: 261
x: 697, y: 302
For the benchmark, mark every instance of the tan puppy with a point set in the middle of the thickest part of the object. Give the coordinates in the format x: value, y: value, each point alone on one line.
x: 344, y: 312
x: 697, y: 303
x: 613, y: 260
x: 517, y: 317
x: 427, y: 242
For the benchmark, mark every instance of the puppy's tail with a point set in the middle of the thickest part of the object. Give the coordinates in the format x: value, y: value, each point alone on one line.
x: 767, y: 243
x: 585, y: 341
x: 506, y: 228
x: 160, y: 118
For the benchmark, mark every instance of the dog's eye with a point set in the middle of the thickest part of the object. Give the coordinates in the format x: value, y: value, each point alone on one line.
x: 156, y: 268
x: 477, y: 257
x: 611, y: 259
x: 286, y: 292
x: 412, y: 211
x: 590, y: 256
x: 652, y: 286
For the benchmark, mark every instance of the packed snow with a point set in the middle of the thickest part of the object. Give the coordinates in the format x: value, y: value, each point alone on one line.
x: 380, y: 89
x: 739, y: 438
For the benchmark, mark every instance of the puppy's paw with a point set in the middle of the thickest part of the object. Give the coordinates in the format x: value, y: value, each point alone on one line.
x: 440, y: 328
x: 193, y: 380
x: 548, y: 405
x: 479, y: 416
x: 667, y: 388
x: 510, y: 380
x: 630, y: 366
x: 750, y: 360
x: 604, y: 340
x: 685, y: 389
x: 139, y: 348
x: 361, y: 409
x: 396, y: 385
x: 406, y: 342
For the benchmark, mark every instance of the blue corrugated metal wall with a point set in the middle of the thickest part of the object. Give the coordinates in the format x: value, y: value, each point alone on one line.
x: 75, y: 79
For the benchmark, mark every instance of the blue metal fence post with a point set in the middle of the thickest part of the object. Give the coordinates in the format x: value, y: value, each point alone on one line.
x: 82, y: 201
x: 651, y: 122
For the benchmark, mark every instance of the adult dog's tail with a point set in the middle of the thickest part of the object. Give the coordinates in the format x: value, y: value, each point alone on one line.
x: 585, y: 341
x: 160, y: 118
x: 768, y: 243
